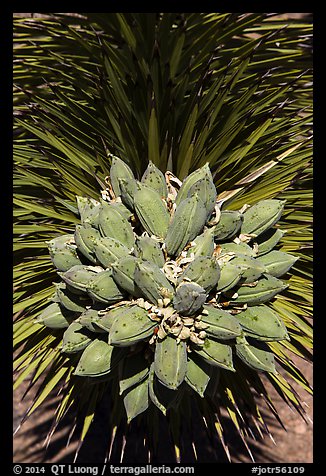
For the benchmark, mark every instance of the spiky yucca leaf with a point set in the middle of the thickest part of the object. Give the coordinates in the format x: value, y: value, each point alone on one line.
x: 180, y: 90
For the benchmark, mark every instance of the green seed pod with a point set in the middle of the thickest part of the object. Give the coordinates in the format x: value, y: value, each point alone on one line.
x: 204, y: 244
x: 105, y: 321
x: 88, y: 210
x: 123, y: 272
x: 202, y: 270
x: 187, y: 222
x: 152, y: 281
x: 131, y: 327
x: 151, y: 211
x: 266, y: 288
x: 268, y: 240
x: 114, y: 225
x: 262, y: 216
x: 201, y: 173
x: 103, y: 288
x: 89, y: 320
x: 136, y: 400
x: 93, y: 217
x: 207, y: 193
x: 65, y: 260
x: 252, y: 268
x: 170, y: 362
x: 237, y: 248
x: 128, y: 188
x: 98, y: 359
x: 262, y: 323
x: 119, y: 170
x: 215, y: 353
x: 55, y: 317
x: 78, y: 277
x: 86, y: 238
x: 189, y: 298
x: 230, y: 276
x: 109, y: 250
x: 132, y: 370
x: 82, y: 202
x: 60, y: 242
x: 198, y: 374
x: 69, y: 300
x: 75, y: 338
x: 154, y: 179
x: 149, y: 250
x: 257, y: 356
x: 222, y: 325
x: 277, y: 263
x: 122, y: 209
x: 228, y: 225
x: 63, y: 252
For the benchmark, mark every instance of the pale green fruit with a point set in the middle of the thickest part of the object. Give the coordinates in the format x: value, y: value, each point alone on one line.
x: 55, y: 317
x: 201, y: 173
x: 119, y: 170
x: 256, y: 357
x: 63, y: 252
x: 113, y: 225
x: 175, y: 299
x: 151, y: 211
x: 105, y: 321
x: 78, y: 277
x: 86, y: 239
x: 88, y: 210
x: 69, y: 300
x: 89, y: 319
x: 237, y: 248
x: 98, y: 359
x: 229, y: 277
x: 252, y: 268
x: 206, y: 191
x: 163, y: 397
x: 277, y: 263
x: 103, y: 288
x: 202, y: 270
x: 128, y: 188
x: 154, y: 179
x: 262, y: 216
x: 123, y: 272
x: 215, y: 353
x: 152, y: 282
x: 198, y: 374
x: 268, y: 240
x: 109, y: 250
x: 228, y: 225
x: 266, y: 288
x: 133, y: 326
x: 203, y: 244
x: 170, y: 362
x: 136, y: 400
x: 221, y: 324
x: 262, y: 323
x: 149, y: 250
x: 188, y: 221
x: 75, y: 338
